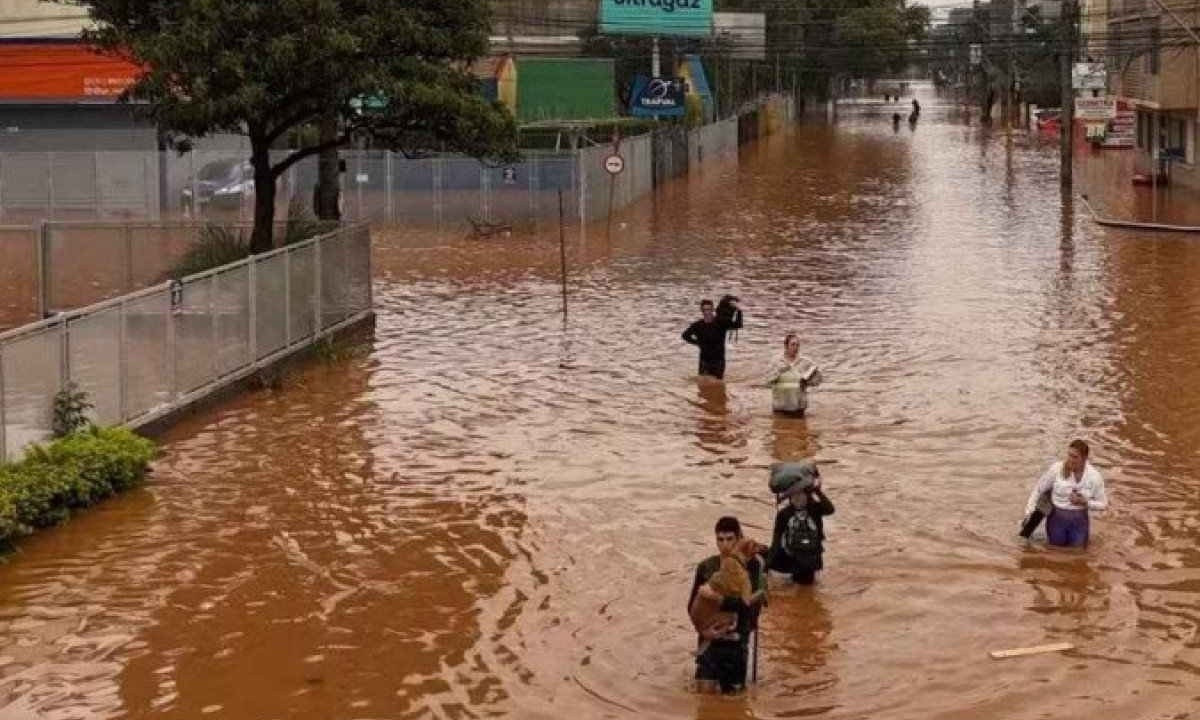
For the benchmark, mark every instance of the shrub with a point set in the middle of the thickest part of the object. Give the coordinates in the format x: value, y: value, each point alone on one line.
x: 70, y: 410
x: 73, y: 472
x: 302, y: 225
x: 217, y: 245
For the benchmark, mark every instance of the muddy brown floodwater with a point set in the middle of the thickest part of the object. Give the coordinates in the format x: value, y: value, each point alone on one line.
x: 481, y: 515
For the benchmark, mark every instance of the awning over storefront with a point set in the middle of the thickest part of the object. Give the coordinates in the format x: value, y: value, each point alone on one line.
x: 49, y: 71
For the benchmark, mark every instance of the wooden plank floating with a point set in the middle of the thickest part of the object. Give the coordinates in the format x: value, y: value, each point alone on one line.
x: 1035, y: 650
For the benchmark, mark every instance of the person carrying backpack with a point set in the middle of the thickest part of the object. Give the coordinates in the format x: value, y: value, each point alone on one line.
x: 708, y: 333
x: 798, y: 541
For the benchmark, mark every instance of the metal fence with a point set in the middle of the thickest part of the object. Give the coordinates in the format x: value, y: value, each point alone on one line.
x: 443, y: 193
x: 146, y: 354
x: 56, y: 266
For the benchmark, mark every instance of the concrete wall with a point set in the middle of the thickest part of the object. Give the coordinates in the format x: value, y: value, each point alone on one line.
x: 543, y: 17
x: 36, y: 18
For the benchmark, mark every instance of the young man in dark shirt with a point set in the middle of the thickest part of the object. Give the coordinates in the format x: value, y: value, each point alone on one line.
x: 723, y: 664
x: 709, y: 334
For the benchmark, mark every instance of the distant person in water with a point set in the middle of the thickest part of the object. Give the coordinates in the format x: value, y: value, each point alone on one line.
x: 708, y: 333
x: 895, y: 121
x: 916, y: 108
x: 1075, y: 488
x: 790, y: 378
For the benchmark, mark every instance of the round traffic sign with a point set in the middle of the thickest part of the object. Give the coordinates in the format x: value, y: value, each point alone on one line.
x: 614, y: 164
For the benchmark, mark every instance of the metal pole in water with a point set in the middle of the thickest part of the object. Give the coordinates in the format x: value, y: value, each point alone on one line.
x: 562, y: 251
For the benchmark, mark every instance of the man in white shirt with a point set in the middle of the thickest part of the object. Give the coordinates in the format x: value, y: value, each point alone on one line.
x: 1075, y: 487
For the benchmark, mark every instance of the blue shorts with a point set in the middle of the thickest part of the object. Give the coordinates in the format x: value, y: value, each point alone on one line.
x: 1067, y: 528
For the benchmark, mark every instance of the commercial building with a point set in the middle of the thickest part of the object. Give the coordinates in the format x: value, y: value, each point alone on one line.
x: 1154, y: 63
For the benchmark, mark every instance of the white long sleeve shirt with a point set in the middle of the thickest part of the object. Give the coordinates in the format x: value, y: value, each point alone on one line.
x: 788, y: 385
x: 1090, y: 486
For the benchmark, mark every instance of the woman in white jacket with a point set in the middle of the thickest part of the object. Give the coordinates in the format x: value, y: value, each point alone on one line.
x: 1075, y: 488
x: 790, y: 377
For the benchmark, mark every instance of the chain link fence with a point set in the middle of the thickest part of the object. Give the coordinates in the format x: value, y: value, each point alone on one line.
x: 444, y: 193
x: 143, y: 355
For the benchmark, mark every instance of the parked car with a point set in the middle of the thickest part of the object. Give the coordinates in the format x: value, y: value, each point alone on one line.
x: 1049, y: 120
x: 223, y: 184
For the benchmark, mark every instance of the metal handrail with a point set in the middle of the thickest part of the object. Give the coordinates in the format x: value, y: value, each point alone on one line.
x: 70, y: 315
x: 97, y: 307
x: 349, y: 259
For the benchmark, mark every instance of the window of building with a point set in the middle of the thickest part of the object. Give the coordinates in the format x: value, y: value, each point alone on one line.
x: 1178, y: 137
x: 1175, y: 128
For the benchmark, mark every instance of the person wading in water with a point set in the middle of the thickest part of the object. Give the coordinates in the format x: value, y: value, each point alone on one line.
x: 722, y: 664
x: 790, y: 377
x: 709, y: 334
x: 1075, y: 488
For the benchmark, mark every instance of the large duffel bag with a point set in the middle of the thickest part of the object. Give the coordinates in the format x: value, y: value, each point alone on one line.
x: 789, y: 476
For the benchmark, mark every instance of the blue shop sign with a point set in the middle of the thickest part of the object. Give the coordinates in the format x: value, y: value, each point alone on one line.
x: 658, y: 97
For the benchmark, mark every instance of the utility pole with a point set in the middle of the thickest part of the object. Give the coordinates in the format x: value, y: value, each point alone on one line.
x: 717, y: 87
x: 1066, y: 123
x: 1011, y: 95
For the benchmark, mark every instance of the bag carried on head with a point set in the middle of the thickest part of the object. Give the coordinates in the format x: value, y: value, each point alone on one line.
x: 798, y: 475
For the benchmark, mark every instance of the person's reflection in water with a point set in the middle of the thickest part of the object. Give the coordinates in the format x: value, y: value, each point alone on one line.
x: 724, y: 707
x: 712, y: 422
x: 789, y: 438
x: 1067, y: 587
x: 796, y: 642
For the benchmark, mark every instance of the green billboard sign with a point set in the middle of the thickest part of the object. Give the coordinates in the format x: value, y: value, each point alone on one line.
x: 686, y: 18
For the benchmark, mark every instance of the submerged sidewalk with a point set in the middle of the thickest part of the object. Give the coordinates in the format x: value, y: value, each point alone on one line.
x: 1106, y: 177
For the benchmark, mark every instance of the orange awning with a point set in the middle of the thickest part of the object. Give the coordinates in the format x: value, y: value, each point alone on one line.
x: 61, y: 71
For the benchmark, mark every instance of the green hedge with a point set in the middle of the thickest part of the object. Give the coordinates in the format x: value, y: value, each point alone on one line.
x: 72, y: 472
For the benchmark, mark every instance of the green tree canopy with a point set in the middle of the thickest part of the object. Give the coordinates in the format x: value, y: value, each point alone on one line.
x: 264, y: 68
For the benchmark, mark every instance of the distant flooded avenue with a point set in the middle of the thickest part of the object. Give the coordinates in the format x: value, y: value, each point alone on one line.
x: 479, y: 512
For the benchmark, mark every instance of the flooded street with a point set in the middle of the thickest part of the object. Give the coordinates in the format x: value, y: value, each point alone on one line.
x: 478, y: 513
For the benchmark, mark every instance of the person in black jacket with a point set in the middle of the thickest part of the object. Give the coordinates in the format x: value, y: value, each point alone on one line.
x: 798, y: 541
x: 723, y: 663
x: 709, y: 334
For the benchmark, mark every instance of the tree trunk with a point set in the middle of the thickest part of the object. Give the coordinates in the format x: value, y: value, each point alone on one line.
x: 262, y: 239
x: 326, y: 201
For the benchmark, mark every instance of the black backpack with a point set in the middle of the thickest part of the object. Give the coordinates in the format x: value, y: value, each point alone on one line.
x: 801, y: 537
x: 725, y: 312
